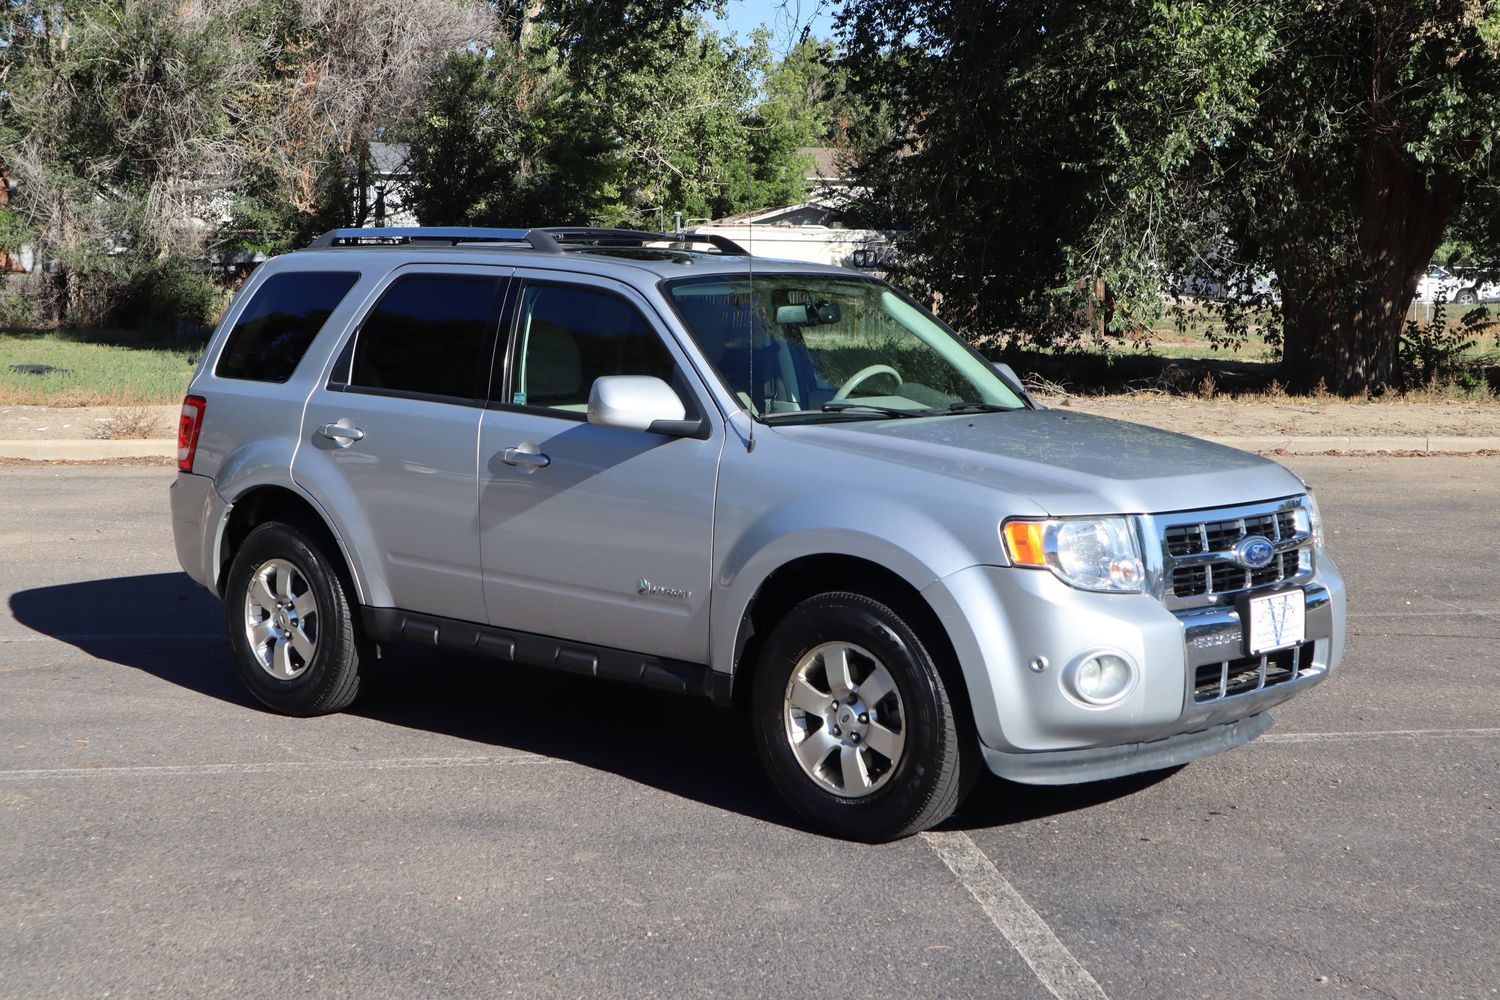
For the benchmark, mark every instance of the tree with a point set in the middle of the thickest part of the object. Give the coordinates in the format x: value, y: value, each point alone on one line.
x: 113, y: 119
x: 682, y: 120
x: 505, y: 141
x: 1046, y: 151
x: 331, y: 76
x: 134, y: 128
x: 1376, y: 127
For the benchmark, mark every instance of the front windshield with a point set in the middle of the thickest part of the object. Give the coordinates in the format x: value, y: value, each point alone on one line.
x: 796, y: 347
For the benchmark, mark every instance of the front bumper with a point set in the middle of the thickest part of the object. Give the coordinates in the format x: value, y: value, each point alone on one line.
x: 1005, y: 622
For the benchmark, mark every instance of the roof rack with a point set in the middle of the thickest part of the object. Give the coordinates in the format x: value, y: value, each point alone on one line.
x: 446, y: 235
x: 640, y: 237
x: 548, y: 239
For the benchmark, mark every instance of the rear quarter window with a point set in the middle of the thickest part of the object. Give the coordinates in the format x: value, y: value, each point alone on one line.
x: 280, y: 323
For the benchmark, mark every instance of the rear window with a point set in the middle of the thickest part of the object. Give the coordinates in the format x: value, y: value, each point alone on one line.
x: 280, y: 323
x: 429, y: 336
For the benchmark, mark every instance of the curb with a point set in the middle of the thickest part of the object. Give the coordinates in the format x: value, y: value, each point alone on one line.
x: 86, y: 450
x: 1309, y: 445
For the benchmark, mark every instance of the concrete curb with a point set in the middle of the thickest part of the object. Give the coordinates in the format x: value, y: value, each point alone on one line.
x: 1308, y: 445
x: 62, y: 450
x: 85, y: 450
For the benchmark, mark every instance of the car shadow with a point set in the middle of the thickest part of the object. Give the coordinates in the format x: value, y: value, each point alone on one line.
x: 677, y: 744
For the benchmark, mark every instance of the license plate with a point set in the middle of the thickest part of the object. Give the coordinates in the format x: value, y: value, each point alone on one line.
x: 1276, y: 621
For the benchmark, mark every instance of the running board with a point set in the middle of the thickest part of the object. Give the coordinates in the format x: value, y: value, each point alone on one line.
x: 391, y: 625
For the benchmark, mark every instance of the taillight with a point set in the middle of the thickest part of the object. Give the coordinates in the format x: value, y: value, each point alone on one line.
x: 188, y: 426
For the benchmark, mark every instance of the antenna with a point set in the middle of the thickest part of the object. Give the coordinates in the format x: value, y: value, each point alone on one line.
x: 750, y: 263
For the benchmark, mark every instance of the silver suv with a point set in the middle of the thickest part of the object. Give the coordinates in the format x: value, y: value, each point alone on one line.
x: 783, y: 487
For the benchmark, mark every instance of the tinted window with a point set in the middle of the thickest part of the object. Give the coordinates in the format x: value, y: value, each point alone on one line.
x: 280, y: 322
x: 569, y: 336
x: 429, y: 334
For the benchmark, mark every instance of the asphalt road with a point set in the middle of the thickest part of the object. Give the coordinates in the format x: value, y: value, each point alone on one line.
x: 476, y: 830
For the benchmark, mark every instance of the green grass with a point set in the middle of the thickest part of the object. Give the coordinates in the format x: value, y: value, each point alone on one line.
x: 105, y: 368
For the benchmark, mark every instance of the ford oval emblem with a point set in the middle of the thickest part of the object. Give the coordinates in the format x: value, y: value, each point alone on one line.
x: 1254, y: 552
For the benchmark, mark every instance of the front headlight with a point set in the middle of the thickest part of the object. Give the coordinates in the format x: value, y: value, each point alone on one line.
x: 1096, y: 553
x: 1314, y: 520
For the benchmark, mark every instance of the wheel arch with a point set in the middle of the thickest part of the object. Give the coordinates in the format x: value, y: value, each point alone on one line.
x: 808, y: 575
x: 265, y: 503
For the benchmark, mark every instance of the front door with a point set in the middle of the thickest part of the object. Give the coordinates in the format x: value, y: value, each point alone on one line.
x: 389, y: 442
x: 591, y: 533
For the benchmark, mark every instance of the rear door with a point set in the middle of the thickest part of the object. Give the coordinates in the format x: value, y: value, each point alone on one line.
x: 389, y: 441
x: 594, y: 534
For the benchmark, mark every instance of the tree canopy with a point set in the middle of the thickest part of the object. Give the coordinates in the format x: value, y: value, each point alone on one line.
x: 1053, y: 160
x: 686, y: 121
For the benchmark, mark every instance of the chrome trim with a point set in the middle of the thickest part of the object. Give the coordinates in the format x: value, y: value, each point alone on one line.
x: 1160, y: 562
x: 1215, y: 635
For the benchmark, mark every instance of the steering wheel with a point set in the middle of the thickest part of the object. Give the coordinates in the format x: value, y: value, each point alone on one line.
x: 862, y: 375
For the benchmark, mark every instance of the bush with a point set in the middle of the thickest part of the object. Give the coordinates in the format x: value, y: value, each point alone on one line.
x: 165, y: 294
x: 1435, y: 355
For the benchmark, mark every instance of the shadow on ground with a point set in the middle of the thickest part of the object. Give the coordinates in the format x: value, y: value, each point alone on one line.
x: 677, y: 744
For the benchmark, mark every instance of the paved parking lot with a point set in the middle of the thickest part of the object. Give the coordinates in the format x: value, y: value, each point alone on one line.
x: 476, y: 830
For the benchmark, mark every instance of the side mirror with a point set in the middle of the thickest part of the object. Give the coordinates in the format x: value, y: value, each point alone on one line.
x: 1013, y: 382
x: 639, y: 403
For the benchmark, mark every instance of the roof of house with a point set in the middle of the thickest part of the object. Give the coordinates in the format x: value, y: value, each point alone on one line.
x: 825, y: 166
x: 390, y: 158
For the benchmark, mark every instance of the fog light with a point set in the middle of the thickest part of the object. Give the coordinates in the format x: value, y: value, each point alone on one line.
x: 1101, y: 678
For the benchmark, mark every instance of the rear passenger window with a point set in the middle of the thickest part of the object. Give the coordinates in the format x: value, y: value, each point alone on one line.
x: 280, y: 322
x: 569, y: 336
x: 429, y: 335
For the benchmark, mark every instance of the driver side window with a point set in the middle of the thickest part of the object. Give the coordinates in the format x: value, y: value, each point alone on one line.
x: 567, y: 336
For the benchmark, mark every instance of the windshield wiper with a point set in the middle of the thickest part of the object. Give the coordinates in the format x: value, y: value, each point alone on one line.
x: 888, y: 411
x: 970, y: 406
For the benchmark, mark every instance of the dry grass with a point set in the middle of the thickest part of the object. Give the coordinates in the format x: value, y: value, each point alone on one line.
x: 132, y: 423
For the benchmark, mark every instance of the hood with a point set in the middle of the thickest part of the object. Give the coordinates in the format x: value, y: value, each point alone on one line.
x: 1067, y: 463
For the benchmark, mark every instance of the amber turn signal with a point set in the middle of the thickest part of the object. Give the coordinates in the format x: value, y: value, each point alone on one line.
x: 1023, y: 542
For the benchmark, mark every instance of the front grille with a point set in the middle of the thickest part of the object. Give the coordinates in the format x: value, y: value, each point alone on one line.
x: 1200, y: 563
x: 1213, y: 681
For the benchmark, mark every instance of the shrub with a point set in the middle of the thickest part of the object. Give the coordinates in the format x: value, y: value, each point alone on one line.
x: 164, y: 294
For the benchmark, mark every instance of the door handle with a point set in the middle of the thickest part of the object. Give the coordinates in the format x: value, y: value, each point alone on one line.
x: 527, y: 456
x: 342, y: 432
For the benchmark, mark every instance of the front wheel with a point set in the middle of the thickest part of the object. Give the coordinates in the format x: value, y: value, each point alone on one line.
x: 291, y: 625
x: 853, y: 723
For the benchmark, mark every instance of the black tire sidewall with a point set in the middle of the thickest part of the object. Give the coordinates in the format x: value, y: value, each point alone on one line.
x: 891, y: 810
x: 308, y: 693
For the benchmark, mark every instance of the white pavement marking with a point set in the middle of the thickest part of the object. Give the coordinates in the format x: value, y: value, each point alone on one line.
x: 114, y: 637
x: 1381, y: 734
x: 273, y: 767
x: 1047, y: 957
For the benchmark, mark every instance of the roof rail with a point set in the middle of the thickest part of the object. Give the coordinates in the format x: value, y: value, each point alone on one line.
x: 639, y: 237
x: 547, y: 239
x: 450, y: 235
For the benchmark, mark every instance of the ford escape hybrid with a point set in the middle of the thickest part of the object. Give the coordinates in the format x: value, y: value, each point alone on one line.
x: 780, y: 486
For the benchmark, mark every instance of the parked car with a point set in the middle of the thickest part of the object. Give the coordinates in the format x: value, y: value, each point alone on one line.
x: 1476, y: 284
x: 1437, y: 284
x: 783, y: 487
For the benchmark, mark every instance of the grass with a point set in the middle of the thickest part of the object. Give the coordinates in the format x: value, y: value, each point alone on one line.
x: 104, y: 368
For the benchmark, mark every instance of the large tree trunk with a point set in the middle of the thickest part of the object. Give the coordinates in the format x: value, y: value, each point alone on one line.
x: 1343, y: 321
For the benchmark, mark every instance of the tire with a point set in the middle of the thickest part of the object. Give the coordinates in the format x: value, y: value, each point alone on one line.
x: 307, y: 660
x: 1466, y: 297
x: 857, y: 786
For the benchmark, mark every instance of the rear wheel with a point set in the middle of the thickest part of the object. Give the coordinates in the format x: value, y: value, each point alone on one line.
x: 1466, y: 297
x: 853, y: 722
x: 291, y: 624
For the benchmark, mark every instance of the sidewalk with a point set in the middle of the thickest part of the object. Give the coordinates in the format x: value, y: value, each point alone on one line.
x: 1281, y: 427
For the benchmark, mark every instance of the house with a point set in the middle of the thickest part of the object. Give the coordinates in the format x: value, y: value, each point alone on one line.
x: 809, y: 230
x: 384, y: 186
